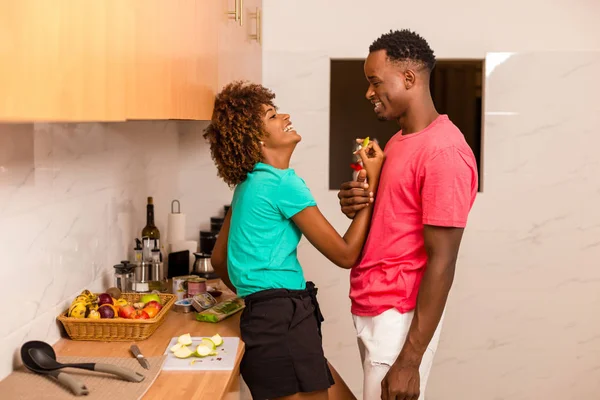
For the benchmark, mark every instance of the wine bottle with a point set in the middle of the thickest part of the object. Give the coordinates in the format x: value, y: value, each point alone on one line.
x: 150, y: 233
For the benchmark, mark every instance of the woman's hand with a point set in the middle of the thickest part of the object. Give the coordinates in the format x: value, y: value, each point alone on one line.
x: 372, y: 159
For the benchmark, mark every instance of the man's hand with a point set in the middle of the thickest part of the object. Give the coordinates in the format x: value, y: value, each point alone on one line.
x: 355, y: 195
x: 402, y: 382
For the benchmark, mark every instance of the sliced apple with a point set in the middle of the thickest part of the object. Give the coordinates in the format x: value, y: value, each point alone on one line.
x: 208, y: 343
x: 183, y: 352
x: 203, y: 350
x: 217, y: 340
x: 185, y: 340
x: 176, y: 347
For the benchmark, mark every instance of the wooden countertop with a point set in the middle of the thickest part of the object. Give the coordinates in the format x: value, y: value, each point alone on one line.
x: 172, y: 384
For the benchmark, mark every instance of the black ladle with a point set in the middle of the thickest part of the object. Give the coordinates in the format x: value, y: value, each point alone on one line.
x: 45, y: 357
x: 76, y: 386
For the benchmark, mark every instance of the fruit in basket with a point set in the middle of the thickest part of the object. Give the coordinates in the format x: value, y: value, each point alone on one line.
x: 151, y: 311
x: 147, y: 298
x: 126, y: 311
x: 141, y: 314
x: 122, y: 302
x: 185, y: 340
x: 114, y: 292
x: 77, y: 310
x: 81, y: 299
x: 106, y: 311
x: 91, y: 297
x: 104, y: 298
x: 94, y: 314
x: 154, y: 304
x: 138, y: 306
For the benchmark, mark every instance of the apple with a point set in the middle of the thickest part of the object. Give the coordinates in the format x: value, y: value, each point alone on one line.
x: 147, y: 298
x: 104, y: 298
x: 106, y: 311
x: 151, y: 311
x: 126, y: 311
x: 154, y: 304
x: 141, y: 314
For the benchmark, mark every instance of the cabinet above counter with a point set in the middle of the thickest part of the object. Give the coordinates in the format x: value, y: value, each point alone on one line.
x: 72, y: 61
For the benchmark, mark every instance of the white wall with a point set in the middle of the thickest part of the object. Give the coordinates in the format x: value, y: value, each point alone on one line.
x: 522, y: 276
x: 72, y: 199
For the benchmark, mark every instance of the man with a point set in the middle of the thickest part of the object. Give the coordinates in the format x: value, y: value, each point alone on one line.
x: 428, y: 184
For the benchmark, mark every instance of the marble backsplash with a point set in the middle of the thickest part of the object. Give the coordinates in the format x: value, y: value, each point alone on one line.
x: 73, y: 197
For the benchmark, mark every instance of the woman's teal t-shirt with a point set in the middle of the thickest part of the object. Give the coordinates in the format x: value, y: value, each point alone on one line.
x: 262, y: 243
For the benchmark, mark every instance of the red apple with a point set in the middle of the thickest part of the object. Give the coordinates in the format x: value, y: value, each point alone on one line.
x: 154, y: 304
x: 105, y: 298
x: 126, y: 311
x: 140, y: 314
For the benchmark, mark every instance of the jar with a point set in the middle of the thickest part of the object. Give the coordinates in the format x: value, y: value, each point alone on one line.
x: 196, y: 286
x: 123, y: 276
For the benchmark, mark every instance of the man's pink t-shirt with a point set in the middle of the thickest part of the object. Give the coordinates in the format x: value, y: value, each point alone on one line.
x: 428, y: 178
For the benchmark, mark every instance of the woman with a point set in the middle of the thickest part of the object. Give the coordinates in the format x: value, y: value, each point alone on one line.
x: 255, y: 253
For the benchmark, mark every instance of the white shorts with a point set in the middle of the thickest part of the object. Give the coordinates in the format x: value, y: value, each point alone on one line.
x: 380, y: 340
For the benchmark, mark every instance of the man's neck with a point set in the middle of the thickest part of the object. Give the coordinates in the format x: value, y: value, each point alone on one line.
x: 419, y: 115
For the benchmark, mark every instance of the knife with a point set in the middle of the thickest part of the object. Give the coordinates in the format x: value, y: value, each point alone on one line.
x: 140, y: 357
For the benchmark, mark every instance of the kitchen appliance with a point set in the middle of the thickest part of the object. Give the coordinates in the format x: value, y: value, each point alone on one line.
x: 137, y: 353
x: 124, y: 276
x: 142, y: 271
x: 203, y: 267
x: 216, y: 223
x: 179, y: 264
x: 207, y: 241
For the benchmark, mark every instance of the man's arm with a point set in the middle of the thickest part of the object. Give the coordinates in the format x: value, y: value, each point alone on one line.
x: 442, y: 245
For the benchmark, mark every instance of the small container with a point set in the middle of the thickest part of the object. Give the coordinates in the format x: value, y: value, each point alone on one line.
x: 141, y: 287
x: 196, y: 286
x: 203, y: 301
x: 183, y: 306
x: 180, y: 286
x: 143, y: 271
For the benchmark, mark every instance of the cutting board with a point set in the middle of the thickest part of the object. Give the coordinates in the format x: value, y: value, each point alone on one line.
x: 223, y: 361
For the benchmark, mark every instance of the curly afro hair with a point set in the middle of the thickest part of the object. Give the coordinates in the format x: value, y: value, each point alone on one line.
x: 237, y: 128
x: 405, y: 45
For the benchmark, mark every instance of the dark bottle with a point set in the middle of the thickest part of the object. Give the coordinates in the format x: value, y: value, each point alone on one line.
x: 150, y: 233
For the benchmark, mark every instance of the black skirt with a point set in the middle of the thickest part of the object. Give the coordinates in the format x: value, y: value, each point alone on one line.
x: 284, y: 351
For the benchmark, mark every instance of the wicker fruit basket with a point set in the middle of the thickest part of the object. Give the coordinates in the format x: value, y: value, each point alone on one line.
x: 117, y: 329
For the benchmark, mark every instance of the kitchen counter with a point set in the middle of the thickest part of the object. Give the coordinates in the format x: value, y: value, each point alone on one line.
x: 173, y: 384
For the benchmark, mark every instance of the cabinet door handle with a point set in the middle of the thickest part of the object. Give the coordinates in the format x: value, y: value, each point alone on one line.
x: 257, y: 36
x: 238, y: 13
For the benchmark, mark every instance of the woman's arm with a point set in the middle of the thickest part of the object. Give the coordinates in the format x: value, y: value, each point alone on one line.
x: 219, y: 255
x: 343, y: 251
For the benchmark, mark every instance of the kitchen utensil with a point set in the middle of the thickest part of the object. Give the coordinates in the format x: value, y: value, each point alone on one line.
x: 178, y: 264
x: 207, y: 241
x: 45, y: 357
x: 124, y: 276
x: 203, y: 267
x: 223, y: 361
x: 75, y: 385
x: 139, y: 356
x: 175, y: 224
